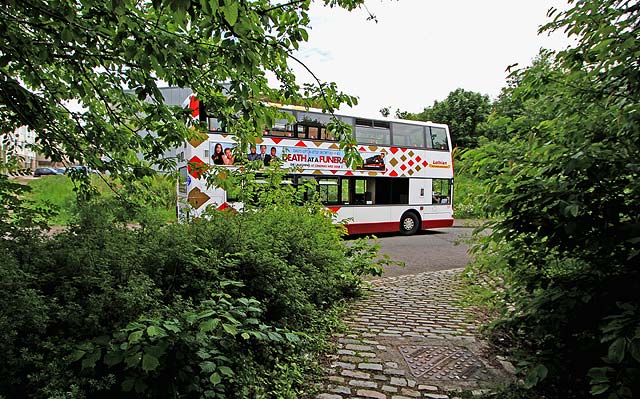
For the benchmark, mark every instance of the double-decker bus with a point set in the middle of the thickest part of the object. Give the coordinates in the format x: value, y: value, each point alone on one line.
x: 404, y: 185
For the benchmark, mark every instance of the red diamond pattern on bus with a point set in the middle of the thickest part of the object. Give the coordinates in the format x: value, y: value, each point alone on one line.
x: 418, y: 159
x: 194, y: 104
x: 403, y: 167
x: 300, y: 144
x: 425, y: 164
x: 393, y: 173
x: 196, y: 167
x: 334, y: 209
x: 393, y: 150
x: 276, y: 140
x: 362, y: 149
x: 348, y: 173
x: 224, y: 206
x: 411, y: 163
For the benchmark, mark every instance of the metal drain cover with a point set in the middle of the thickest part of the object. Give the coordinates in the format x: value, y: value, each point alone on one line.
x: 441, y: 362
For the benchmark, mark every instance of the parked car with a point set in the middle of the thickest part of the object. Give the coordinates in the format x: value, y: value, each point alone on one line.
x: 46, y: 172
x: 80, y: 169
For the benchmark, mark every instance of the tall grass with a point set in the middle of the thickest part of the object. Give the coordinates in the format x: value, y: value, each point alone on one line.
x: 58, y: 192
x: 468, y: 190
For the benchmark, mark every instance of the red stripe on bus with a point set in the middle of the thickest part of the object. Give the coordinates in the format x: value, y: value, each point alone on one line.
x: 371, y: 228
x: 392, y: 227
x: 434, y: 224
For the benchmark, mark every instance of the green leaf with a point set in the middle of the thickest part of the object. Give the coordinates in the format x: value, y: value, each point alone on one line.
x: 274, y: 336
x: 153, y: 331
x: 133, y: 360
x: 76, y: 355
x: 156, y: 350
x: 112, y: 358
x: 230, y: 329
x: 209, y: 325
x: 292, y: 337
x: 208, y: 367
x: 535, y: 375
x: 172, y: 327
x: 149, y: 362
x: 598, y: 375
x: 90, y: 360
x: 599, y: 389
x: 226, y: 371
x: 215, y: 378
x: 231, y: 12
x: 135, y: 336
x: 616, y: 350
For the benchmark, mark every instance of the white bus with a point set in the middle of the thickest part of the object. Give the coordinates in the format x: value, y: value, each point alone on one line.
x: 405, y: 184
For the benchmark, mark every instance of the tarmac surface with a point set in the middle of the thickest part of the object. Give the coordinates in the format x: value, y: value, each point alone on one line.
x: 410, y: 337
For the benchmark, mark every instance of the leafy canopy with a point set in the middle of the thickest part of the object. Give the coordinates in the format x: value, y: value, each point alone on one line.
x: 462, y: 110
x: 60, y: 51
x: 565, y: 194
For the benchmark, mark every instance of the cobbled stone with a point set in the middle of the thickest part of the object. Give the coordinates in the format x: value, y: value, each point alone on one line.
x: 341, y: 389
x: 370, y: 366
x: 398, y: 381
x: 370, y: 394
x: 410, y: 392
x: 389, y: 388
x: 413, y: 311
x: 328, y: 396
x: 343, y: 365
x: 363, y: 384
x: 355, y: 374
x: 361, y: 348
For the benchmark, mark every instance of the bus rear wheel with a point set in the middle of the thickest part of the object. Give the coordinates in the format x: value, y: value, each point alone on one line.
x: 409, y: 224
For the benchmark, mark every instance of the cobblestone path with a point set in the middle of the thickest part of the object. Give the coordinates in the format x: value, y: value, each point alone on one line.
x: 410, y: 339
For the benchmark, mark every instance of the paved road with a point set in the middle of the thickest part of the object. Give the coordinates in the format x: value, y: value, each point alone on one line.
x: 433, y: 250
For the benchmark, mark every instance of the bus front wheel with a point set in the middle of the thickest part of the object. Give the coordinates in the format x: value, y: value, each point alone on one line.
x: 409, y: 224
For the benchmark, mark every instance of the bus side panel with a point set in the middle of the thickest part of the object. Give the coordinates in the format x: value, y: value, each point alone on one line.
x: 367, y: 219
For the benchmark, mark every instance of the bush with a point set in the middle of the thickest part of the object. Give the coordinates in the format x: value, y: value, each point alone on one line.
x: 223, y: 307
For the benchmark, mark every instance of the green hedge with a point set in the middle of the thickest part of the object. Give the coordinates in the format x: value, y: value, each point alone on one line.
x: 225, y: 307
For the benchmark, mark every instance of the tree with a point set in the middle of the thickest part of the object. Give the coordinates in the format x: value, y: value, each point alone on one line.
x: 462, y: 110
x: 53, y: 53
x: 565, y: 192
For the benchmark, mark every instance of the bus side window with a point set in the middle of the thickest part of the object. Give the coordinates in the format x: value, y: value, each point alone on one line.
x: 439, y: 138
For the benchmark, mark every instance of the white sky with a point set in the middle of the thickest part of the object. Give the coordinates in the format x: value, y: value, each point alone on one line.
x: 421, y: 50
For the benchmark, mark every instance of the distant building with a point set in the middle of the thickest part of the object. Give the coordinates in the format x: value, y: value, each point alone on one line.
x: 20, y: 141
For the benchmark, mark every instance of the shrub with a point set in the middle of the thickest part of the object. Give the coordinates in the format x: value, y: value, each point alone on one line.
x: 216, y: 308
